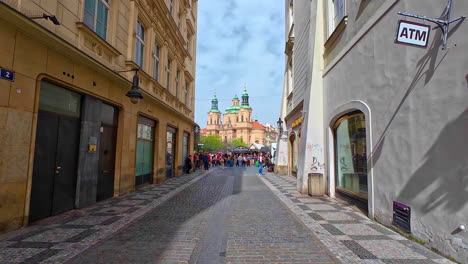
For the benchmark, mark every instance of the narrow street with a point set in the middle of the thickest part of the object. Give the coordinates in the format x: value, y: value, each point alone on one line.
x: 220, y: 216
x: 227, y: 216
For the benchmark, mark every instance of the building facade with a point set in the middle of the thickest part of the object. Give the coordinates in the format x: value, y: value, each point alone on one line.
x: 69, y: 134
x: 236, y: 122
x: 392, y: 119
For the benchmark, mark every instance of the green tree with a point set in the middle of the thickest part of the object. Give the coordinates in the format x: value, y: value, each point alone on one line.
x: 212, y: 143
x: 237, y: 142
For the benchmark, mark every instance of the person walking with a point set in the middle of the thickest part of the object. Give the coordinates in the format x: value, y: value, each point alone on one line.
x: 188, y: 164
x: 221, y: 162
x: 260, y: 164
x: 206, y: 161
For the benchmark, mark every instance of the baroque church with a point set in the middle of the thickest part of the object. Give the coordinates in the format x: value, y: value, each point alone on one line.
x: 236, y: 122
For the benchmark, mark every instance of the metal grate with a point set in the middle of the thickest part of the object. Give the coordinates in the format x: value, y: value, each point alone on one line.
x: 402, y: 216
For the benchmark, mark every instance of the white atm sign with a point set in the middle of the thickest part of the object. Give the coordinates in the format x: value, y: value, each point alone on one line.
x: 412, y: 33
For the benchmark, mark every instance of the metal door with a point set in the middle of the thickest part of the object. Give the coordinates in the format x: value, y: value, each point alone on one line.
x: 105, y: 183
x: 55, y: 165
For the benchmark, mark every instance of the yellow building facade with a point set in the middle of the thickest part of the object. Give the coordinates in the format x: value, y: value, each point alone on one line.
x: 69, y: 136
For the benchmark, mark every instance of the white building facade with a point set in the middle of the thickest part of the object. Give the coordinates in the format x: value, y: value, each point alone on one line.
x: 380, y: 124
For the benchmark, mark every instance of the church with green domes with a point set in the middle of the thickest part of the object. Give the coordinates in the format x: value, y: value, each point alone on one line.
x: 236, y: 122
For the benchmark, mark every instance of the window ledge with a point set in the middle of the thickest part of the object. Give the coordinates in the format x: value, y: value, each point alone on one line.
x: 336, y: 33
x: 94, y: 42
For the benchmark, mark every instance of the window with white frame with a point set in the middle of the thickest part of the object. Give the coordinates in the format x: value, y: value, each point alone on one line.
x: 336, y: 12
x: 291, y: 13
x: 96, y: 14
x: 140, y: 44
x: 168, y: 74
x: 177, y: 83
x: 186, y: 94
x: 157, y: 51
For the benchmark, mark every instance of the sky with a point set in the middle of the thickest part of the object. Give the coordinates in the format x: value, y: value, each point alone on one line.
x: 240, y: 41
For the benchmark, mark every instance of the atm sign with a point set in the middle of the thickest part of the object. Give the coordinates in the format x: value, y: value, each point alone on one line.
x: 413, y: 33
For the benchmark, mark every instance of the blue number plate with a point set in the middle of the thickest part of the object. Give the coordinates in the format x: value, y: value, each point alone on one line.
x: 8, y: 75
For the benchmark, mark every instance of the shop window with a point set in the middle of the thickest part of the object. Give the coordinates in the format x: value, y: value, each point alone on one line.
x: 144, y: 151
x: 351, y: 156
x: 96, y: 14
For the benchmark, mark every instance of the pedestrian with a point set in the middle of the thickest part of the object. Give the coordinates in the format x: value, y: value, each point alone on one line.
x: 206, y: 161
x: 260, y: 165
x: 188, y: 164
x: 221, y: 161
x: 248, y: 160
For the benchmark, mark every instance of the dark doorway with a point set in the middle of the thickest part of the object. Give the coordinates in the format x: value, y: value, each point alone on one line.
x: 56, y: 152
x: 107, y: 142
x: 170, y: 151
x: 55, y: 165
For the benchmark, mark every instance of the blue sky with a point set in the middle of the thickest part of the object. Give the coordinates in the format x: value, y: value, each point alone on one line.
x: 240, y: 41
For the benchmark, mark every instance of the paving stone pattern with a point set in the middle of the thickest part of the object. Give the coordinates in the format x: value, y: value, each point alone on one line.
x: 229, y: 216
x: 349, y: 235
x: 58, y: 239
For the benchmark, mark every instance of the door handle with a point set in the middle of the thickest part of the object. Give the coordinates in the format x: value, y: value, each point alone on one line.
x: 104, y: 171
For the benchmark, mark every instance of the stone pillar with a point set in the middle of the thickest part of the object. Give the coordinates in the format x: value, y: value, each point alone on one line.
x: 88, y: 162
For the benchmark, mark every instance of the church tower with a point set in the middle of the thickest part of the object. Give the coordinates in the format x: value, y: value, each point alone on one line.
x: 214, y: 117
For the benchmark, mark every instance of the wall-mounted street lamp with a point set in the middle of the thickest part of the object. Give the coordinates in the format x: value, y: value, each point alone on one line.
x: 196, y: 131
x: 47, y: 17
x: 134, y: 93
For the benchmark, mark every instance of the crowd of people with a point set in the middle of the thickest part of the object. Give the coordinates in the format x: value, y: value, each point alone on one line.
x: 205, y: 160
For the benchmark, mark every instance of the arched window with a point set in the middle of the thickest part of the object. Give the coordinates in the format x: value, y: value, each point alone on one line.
x: 242, y: 118
x: 211, y: 121
x: 351, y: 155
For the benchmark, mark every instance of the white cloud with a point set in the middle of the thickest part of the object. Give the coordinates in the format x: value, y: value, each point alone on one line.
x: 240, y: 41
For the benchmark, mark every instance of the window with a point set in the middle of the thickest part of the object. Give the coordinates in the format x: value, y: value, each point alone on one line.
x: 168, y: 71
x: 339, y: 10
x: 177, y: 83
x: 95, y: 16
x: 336, y: 12
x: 171, y: 6
x: 242, y: 118
x: 351, y: 155
x: 140, y: 44
x: 186, y: 93
x: 157, y: 50
x: 179, y: 19
x: 189, y: 42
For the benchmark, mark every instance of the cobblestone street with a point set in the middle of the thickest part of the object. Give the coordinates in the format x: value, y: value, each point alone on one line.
x: 224, y: 216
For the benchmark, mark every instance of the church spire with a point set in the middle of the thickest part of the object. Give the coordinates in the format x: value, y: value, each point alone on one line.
x: 214, y: 103
x: 245, y: 96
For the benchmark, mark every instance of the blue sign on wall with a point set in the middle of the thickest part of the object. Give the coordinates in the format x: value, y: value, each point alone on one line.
x: 8, y: 75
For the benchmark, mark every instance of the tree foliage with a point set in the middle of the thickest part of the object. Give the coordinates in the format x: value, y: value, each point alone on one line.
x: 212, y: 143
x: 237, y: 142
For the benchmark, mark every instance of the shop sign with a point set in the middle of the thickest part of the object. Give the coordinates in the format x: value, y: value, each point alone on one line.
x: 297, y: 122
x: 412, y: 33
x: 7, y: 75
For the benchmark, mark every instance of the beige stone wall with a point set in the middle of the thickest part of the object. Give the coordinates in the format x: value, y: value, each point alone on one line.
x: 75, y: 58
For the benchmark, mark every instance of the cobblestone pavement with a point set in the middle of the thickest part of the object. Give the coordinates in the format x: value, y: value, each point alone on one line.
x: 58, y: 239
x: 229, y: 216
x: 349, y: 235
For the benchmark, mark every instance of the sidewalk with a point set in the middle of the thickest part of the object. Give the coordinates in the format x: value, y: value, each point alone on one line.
x: 349, y: 235
x: 59, y: 238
